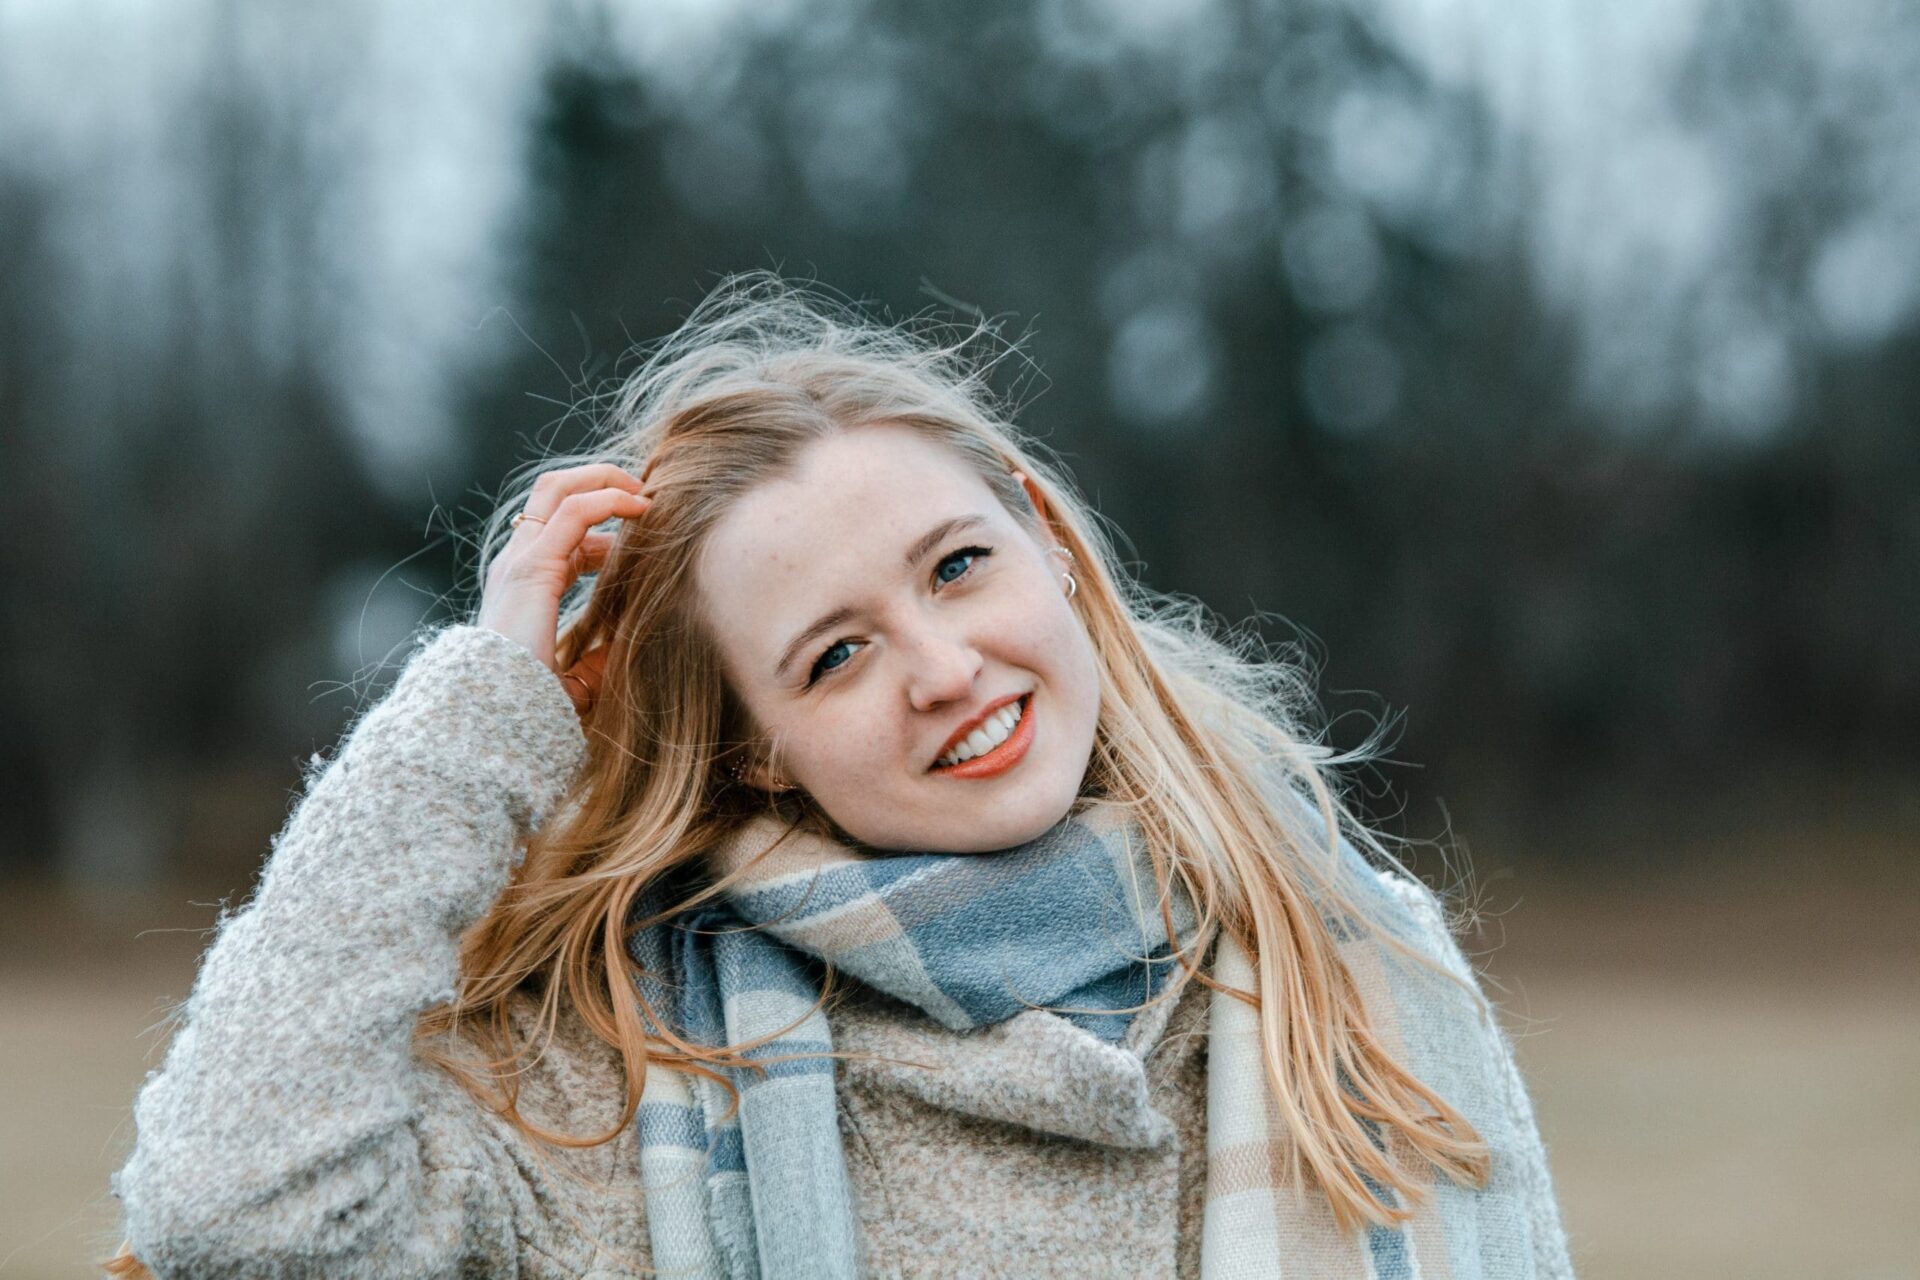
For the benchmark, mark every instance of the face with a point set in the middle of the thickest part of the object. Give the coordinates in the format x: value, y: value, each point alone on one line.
x: 878, y: 605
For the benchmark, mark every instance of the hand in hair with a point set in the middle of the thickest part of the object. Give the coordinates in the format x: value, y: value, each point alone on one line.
x: 550, y: 548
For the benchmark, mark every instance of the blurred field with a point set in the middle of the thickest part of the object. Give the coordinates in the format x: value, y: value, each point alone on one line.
x: 1726, y: 1076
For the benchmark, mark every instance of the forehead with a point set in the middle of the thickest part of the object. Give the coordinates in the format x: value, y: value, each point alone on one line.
x: 835, y: 526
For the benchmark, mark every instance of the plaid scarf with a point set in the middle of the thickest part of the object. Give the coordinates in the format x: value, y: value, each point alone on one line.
x: 1069, y: 920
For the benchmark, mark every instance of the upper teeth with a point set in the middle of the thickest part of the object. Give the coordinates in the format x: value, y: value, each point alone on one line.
x: 988, y: 736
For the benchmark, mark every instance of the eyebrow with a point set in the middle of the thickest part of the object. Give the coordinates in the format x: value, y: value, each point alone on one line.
x: 921, y: 548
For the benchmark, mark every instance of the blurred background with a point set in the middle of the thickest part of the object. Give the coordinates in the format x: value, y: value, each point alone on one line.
x: 1545, y: 376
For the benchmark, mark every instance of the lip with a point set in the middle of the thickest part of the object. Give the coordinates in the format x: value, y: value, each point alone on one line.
x: 979, y: 718
x: 1003, y: 757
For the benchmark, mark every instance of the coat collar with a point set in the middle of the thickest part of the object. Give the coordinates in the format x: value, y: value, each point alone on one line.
x: 1036, y: 1069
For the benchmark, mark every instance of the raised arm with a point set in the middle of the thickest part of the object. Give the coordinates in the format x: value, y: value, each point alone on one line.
x: 282, y: 1136
x: 292, y: 1131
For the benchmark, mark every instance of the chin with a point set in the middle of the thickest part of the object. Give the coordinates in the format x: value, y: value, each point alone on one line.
x: 955, y: 816
x: 1014, y: 824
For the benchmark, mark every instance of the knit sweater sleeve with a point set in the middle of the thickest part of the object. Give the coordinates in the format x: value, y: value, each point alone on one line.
x: 1550, y: 1254
x: 1550, y: 1260
x: 291, y: 1130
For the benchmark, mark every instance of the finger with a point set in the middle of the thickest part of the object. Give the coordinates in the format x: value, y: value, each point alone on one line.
x: 592, y: 666
x: 554, y: 487
x: 577, y: 693
x: 551, y: 552
x: 582, y: 680
x: 592, y: 552
x: 572, y: 521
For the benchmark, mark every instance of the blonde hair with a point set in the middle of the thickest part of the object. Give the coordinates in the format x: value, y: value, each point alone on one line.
x: 1191, y: 731
x: 1195, y: 731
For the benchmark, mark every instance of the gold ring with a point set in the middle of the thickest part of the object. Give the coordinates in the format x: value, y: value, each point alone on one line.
x: 515, y: 522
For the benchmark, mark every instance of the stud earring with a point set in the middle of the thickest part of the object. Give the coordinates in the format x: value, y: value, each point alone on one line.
x: 739, y: 775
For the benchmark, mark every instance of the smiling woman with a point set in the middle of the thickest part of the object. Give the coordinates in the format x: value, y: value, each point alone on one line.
x: 941, y: 608
x: 922, y: 897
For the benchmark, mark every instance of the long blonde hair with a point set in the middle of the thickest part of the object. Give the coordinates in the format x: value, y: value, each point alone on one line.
x: 1194, y: 727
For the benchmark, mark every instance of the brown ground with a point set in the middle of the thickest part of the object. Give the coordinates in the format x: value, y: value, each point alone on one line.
x: 1728, y: 1080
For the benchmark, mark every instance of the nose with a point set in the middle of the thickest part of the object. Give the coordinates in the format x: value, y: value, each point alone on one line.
x: 942, y: 666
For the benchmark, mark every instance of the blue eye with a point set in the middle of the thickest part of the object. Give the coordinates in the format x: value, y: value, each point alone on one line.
x: 969, y: 554
x: 961, y: 563
x: 822, y: 666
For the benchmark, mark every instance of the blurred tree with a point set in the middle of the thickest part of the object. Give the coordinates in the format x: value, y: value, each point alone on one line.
x: 1549, y: 374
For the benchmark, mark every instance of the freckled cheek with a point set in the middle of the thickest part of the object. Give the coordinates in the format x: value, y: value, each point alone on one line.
x: 1032, y: 624
x: 1071, y: 656
x: 856, y: 745
x: 1062, y: 626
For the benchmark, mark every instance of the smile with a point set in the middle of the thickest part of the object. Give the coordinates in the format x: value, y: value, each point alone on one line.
x: 994, y: 747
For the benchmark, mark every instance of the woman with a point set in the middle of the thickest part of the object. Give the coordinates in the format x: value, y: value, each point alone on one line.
x: 921, y: 898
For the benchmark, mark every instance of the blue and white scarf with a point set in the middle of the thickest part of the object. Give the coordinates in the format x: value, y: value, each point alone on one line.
x: 1069, y: 921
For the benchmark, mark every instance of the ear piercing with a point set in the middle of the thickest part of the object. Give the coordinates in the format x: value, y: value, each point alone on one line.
x: 1073, y: 587
x: 739, y: 775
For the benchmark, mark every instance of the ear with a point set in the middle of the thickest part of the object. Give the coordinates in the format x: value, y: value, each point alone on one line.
x: 761, y: 778
x: 762, y: 775
x: 1039, y: 503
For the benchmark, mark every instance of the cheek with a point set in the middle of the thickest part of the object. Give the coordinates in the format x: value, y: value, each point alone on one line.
x: 1074, y: 654
x: 1065, y: 635
x: 851, y: 736
x: 1054, y: 642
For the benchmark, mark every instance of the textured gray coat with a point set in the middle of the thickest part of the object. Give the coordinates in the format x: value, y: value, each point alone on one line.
x: 291, y: 1131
